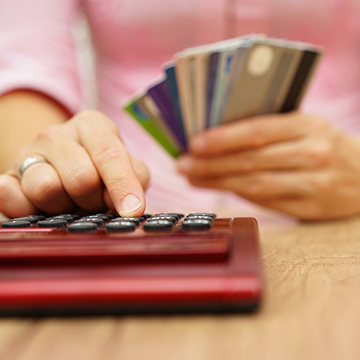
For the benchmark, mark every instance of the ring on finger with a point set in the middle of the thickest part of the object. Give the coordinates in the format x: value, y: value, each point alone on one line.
x: 31, y: 160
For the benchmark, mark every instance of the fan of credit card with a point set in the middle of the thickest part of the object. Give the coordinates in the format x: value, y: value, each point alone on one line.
x: 209, y: 85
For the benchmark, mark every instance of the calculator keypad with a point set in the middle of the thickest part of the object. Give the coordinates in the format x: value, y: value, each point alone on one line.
x: 73, y: 223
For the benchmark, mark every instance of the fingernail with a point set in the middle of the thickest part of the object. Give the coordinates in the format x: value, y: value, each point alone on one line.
x: 130, y: 204
x: 184, y: 164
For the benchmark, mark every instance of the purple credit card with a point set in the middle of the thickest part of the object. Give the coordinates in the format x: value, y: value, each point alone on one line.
x: 162, y: 98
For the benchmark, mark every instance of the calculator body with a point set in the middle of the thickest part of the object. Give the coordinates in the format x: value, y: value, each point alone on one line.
x: 53, y: 272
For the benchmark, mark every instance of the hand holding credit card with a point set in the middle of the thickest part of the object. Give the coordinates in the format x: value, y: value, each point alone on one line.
x: 208, y: 85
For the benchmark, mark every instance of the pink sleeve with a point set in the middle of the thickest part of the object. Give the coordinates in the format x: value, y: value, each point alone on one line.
x: 37, y: 49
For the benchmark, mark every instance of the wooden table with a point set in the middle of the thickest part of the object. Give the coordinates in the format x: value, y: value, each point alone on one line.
x: 311, y: 310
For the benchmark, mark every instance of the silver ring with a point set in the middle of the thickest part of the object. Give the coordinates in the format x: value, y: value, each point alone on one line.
x: 28, y: 162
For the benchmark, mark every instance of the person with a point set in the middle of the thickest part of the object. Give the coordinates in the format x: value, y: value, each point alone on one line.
x: 305, y: 164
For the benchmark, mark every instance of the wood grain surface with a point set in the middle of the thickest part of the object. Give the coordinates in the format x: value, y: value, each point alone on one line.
x: 311, y: 310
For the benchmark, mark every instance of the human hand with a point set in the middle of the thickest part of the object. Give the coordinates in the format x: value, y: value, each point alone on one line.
x: 294, y: 163
x: 87, y: 168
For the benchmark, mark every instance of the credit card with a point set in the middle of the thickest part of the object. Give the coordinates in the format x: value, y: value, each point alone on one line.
x: 207, y: 85
x: 138, y: 110
x: 264, y: 81
x: 161, y: 96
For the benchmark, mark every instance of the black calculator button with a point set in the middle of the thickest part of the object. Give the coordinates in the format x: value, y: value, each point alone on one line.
x: 75, y: 216
x: 52, y: 223
x: 82, y: 226
x: 34, y: 217
x: 30, y: 218
x: 104, y: 217
x: 174, y: 215
x: 92, y: 218
x: 134, y: 220
x: 120, y: 226
x: 158, y: 225
x: 196, y: 224
x: 39, y: 217
x: 68, y: 218
x: 202, y: 214
x: 16, y: 224
x: 173, y: 219
x: 199, y: 217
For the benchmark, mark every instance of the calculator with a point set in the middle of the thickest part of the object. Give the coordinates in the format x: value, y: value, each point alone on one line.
x: 102, y: 264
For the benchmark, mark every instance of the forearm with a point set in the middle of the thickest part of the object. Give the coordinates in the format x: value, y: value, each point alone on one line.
x: 23, y: 114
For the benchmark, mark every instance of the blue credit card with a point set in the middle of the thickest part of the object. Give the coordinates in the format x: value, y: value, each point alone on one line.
x: 174, y: 92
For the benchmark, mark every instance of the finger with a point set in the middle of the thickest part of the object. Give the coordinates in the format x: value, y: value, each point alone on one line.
x: 141, y: 172
x: 110, y: 158
x: 253, y: 133
x: 42, y: 186
x: 269, y: 185
x: 304, y: 208
x: 108, y: 201
x: 76, y: 171
x: 13, y: 202
x: 296, y: 154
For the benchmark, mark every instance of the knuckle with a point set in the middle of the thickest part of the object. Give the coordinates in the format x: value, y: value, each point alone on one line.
x: 45, y: 190
x: 83, y: 183
x: 322, y: 153
x: 119, y: 185
x: 245, y: 161
x: 87, y: 114
x: 92, y: 115
x: 49, y: 133
x: 324, y: 183
x: 257, y: 136
x: 107, y: 153
x: 318, y: 124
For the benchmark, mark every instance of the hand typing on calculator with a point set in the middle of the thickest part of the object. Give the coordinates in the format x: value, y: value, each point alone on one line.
x: 80, y: 164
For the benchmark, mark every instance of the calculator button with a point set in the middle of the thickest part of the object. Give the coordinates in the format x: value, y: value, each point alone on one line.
x: 202, y: 214
x: 17, y: 224
x: 196, y: 224
x: 173, y: 219
x: 176, y: 215
x: 134, y: 220
x: 82, y: 226
x: 75, y: 216
x: 198, y: 217
x: 52, y: 223
x: 120, y: 226
x: 158, y: 225
x: 67, y: 217
x: 105, y: 217
x: 31, y: 219
x: 92, y: 218
x: 37, y: 217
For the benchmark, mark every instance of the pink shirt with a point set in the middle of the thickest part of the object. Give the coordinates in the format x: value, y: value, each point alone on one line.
x: 133, y: 38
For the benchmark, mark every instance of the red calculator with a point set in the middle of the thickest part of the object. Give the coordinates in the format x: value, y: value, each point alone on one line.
x: 105, y: 264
